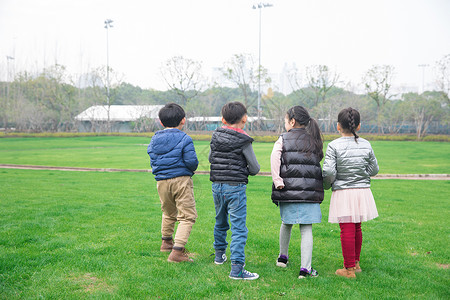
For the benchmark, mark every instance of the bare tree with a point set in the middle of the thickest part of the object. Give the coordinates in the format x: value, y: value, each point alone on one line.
x: 145, y: 118
x: 277, y: 109
x: 295, y: 81
x: 5, y: 103
x: 326, y: 111
x: 242, y: 71
x: 183, y: 76
x: 393, y: 116
x: 145, y: 124
x: 443, y: 76
x: 320, y: 79
x: 99, y: 82
x: 61, y: 94
x: 423, y: 109
x: 377, y: 82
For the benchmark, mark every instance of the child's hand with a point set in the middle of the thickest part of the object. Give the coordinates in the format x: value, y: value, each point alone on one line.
x: 280, y: 187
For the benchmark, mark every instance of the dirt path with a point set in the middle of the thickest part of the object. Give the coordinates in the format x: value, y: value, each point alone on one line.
x: 380, y: 176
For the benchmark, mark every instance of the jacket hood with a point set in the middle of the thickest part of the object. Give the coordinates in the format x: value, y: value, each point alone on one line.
x: 229, y: 140
x: 165, y: 140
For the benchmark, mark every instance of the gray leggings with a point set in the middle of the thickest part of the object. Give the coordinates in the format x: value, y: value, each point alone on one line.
x: 306, y: 243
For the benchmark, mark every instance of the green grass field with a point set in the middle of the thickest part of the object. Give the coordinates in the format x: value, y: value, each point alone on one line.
x: 97, y: 234
x: 131, y: 153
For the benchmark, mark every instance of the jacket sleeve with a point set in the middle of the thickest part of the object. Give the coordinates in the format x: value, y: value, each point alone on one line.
x: 149, y: 151
x: 372, y: 168
x: 275, y: 163
x: 252, y: 162
x: 329, y: 167
x: 189, y: 155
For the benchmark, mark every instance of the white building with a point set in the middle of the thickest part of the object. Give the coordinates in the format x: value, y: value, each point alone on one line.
x: 140, y: 118
x: 123, y: 118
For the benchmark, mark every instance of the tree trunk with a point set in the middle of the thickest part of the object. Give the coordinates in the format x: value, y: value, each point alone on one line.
x: 378, y: 119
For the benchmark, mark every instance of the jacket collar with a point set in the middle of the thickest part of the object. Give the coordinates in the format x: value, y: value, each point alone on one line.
x: 235, y: 129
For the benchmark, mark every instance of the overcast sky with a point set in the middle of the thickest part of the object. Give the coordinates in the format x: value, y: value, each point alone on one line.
x: 348, y: 35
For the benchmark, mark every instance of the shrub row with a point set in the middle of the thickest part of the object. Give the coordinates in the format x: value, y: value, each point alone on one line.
x: 207, y: 137
x: 72, y: 134
x: 370, y: 137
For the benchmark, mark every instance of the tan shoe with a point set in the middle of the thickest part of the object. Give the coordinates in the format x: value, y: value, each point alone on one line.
x: 179, y: 255
x: 346, y: 272
x: 166, y: 245
x: 357, y: 267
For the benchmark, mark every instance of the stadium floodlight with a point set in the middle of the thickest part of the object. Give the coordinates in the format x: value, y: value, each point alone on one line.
x: 108, y: 24
x: 423, y: 66
x: 260, y: 6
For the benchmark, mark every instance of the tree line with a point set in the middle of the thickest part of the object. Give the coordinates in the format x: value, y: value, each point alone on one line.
x: 50, y: 100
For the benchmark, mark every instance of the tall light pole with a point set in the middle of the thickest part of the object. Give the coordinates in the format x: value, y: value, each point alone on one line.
x: 423, y: 66
x: 260, y: 6
x: 8, y: 58
x: 6, y: 108
x: 108, y: 24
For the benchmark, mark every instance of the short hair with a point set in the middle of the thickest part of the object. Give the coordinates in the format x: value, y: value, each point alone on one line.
x: 171, y: 115
x: 233, y: 112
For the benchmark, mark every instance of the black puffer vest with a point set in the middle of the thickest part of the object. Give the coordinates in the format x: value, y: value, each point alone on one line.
x: 301, y: 171
x: 228, y: 163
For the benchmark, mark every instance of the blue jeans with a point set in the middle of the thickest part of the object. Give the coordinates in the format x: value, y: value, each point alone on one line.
x: 230, y: 200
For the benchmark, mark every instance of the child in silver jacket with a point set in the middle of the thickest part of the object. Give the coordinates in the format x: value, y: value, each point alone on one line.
x: 349, y: 164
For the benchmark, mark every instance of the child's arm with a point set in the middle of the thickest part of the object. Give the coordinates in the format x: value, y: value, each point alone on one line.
x: 372, y: 168
x: 329, y: 167
x: 275, y: 164
x: 252, y: 163
x: 189, y: 155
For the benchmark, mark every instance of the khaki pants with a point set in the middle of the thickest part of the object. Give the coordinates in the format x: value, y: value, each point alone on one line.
x: 177, y: 204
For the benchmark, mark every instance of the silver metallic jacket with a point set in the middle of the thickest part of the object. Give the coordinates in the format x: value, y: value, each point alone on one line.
x: 349, y: 164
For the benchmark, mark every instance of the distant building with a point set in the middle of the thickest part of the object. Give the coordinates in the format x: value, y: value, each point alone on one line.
x: 211, y: 123
x: 285, y: 87
x: 123, y: 118
x: 141, y: 118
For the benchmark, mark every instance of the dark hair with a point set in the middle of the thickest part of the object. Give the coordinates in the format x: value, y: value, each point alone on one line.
x: 171, y: 115
x: 233, y: 112
x: 349, y: 119
x: 301, y: 116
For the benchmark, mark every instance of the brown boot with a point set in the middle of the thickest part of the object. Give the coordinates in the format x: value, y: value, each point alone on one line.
x: 346, y: 272
x: 178, y: 255
x: 357, y: 267
x: 166, y: 245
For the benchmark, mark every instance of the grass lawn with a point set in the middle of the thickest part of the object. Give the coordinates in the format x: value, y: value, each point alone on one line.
x: 131, y: 153
x: 97, y: 235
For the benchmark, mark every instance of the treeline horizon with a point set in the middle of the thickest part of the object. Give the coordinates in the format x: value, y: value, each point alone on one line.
x: 49, y: 101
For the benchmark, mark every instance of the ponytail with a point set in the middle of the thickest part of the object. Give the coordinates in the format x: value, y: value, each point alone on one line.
x: 302, y: 117
x: 314, y: 131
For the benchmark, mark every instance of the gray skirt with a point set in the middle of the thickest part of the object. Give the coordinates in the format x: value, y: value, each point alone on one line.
x: 300, y: 213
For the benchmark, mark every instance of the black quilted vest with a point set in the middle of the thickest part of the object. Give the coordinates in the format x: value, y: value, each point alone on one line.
x: 301, y: 171
x: 228, y: 163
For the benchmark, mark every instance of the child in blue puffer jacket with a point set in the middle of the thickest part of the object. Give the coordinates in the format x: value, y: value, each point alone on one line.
x: 173, y: 160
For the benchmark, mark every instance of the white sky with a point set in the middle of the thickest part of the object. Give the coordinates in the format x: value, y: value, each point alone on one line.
x: 348, y: 35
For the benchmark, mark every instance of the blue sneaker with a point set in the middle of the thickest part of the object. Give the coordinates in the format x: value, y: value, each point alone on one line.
x: 305, y: 273
x: 220, y: 257
x: 239, y: 273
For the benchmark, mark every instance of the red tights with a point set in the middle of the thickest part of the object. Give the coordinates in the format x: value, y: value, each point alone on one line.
x: 351, y: 241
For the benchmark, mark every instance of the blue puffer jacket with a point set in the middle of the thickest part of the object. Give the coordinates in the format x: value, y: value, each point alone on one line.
x: 172, y: 154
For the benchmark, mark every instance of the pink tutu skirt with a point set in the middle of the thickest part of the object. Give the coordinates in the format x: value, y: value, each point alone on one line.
x: 352, y: 206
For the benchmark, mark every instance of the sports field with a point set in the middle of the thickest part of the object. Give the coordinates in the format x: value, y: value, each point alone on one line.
x: 97, y: 234
x: 131, y: 153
